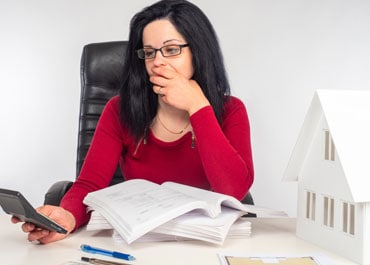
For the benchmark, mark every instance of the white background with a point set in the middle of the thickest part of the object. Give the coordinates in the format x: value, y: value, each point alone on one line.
x: 277, y: 52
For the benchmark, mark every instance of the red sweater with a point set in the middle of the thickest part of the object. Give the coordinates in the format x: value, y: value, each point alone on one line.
x: 220, y: 161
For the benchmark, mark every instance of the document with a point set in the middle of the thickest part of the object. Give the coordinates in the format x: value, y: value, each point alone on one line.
x: 136, y: 207
x: 188, y: 226
x: 243, y: 259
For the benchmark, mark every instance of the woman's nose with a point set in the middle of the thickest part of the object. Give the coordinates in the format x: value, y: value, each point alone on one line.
x: 159, y: 59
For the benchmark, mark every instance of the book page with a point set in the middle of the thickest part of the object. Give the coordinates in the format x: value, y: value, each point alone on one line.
x: 213, y: 199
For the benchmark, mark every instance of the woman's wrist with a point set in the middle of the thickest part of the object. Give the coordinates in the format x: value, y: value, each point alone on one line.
x: 198, y: 105
x: 71, y: 222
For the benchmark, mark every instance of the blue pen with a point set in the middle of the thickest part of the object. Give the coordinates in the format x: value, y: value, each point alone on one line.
x: 114, y: 254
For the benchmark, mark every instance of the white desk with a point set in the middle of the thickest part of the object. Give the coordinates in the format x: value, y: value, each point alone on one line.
x: 269, y: 237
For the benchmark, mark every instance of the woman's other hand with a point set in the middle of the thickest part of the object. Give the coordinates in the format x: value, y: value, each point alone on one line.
x: 61, y: 216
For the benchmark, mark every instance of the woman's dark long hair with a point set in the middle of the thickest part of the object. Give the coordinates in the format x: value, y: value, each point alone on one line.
x: 138, y: 105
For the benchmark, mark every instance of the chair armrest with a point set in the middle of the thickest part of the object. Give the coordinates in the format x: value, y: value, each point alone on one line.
x: 248, y: 199
x: 56, y: 192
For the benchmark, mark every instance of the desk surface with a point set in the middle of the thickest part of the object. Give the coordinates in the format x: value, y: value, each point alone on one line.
x: 270, y: 236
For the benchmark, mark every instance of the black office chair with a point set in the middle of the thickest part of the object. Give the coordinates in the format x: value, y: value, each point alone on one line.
x: 101, y: 70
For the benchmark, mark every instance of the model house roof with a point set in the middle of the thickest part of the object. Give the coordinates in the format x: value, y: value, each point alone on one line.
x: 347, y: 113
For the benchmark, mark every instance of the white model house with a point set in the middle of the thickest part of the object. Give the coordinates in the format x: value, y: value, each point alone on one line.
x: 331, y: 162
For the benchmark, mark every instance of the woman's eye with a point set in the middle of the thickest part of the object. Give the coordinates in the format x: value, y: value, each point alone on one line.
x: 148, y: 53
x: 171, y: 50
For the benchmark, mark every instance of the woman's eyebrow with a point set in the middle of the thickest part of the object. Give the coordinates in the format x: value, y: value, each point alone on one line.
x: 167, y: 41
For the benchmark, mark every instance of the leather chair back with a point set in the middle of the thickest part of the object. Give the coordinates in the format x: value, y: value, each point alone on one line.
x: 101, y: 71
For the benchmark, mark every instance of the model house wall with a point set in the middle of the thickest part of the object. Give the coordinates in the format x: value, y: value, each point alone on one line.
x: 333, y: 211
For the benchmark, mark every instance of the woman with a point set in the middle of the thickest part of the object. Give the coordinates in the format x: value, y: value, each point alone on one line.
x: 173, y: 121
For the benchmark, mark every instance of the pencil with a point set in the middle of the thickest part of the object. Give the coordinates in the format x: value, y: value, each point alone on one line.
x: 102, y: 262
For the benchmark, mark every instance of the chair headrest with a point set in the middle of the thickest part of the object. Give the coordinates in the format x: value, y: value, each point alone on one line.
x: 102, y: 63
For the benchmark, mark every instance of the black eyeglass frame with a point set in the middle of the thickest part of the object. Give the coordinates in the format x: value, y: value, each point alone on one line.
x: 141, y: 52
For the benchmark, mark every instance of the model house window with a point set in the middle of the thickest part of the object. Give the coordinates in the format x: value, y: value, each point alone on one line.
x: 348, y: 218
x: 310, y: 205
x: 329, y: 146
x: 328, y: 211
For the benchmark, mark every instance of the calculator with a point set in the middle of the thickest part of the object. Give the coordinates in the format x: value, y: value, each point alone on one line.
x: 15, y: 204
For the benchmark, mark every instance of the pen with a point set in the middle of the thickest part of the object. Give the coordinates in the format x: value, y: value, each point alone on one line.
x: 114, y: 254
x: 102, y: 262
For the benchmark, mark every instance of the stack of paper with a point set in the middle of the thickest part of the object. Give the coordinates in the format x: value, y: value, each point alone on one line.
x: 189, y: 226
x: 240, y: 229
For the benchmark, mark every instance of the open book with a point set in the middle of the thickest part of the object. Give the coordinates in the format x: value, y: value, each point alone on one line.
x: 136, y: 207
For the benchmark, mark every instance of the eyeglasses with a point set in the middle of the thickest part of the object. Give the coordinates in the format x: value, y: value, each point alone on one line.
x: 166, y: 51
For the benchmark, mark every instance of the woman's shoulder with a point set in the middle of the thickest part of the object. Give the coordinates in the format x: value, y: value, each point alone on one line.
x: 111, y: 108
x: 111, y: 114
x: 234, y: 110
x: 114, y: 101
x: 112, y: 105
x: 233, y: 103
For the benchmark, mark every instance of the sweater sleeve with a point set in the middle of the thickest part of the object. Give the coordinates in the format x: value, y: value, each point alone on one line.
x: 225, y: 150
x: 100, y: 163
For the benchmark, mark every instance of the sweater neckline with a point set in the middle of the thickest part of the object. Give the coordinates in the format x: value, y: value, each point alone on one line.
x: 183, y: 139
